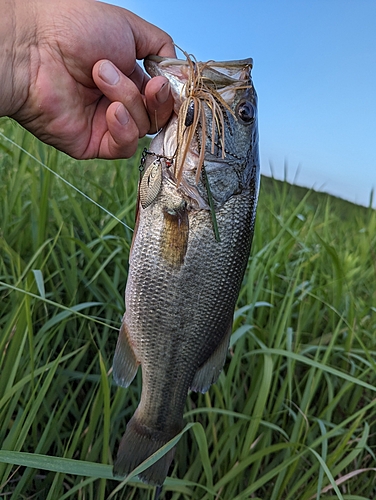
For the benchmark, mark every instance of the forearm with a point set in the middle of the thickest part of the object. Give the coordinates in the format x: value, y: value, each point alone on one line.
x: 16, y: 33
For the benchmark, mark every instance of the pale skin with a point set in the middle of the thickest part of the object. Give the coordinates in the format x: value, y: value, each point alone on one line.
x: 68, y: 74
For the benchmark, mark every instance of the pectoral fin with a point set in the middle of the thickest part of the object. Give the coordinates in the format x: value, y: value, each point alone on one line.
x: 209, y: 372
x: 125, y: 363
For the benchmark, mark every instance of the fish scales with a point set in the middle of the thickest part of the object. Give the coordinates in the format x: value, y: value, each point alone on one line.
x: 183, y: 283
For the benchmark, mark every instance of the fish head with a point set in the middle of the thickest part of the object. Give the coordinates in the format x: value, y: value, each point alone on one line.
x: 215, y: 117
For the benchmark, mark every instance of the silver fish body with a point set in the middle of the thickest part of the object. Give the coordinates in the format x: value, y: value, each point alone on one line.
x: 185, y: 274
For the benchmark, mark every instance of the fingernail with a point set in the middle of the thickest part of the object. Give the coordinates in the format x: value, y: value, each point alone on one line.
x: 122, y: 114
x: 163, y: 93
x: 109, y: 73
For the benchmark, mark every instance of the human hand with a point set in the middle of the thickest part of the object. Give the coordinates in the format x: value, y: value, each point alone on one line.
x: 71, y: 95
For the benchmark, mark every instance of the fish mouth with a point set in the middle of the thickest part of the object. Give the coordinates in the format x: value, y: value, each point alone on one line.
x: 220, y: 73
x: 167, y: 61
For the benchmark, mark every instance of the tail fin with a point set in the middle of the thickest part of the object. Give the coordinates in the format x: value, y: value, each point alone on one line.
x: 139, y: 443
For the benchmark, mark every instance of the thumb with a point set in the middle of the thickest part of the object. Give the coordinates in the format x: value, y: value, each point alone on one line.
x: 149, y: 39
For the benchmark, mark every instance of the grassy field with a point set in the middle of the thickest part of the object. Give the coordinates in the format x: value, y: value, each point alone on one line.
x: 293, y: 415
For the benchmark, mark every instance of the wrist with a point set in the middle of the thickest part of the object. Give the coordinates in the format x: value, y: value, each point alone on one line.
x: 16, y: 40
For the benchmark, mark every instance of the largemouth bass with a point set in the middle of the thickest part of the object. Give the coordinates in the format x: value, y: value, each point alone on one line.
x: 193, y: 234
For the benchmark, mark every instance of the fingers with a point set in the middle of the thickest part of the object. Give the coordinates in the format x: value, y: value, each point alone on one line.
x: 120, y: 117
x: 159, y: 102
x: 120, y: 140
x: 129, y: 114
x: 118, y: 88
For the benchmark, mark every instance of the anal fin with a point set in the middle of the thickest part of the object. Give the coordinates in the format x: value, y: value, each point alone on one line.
x: 125, y: 363
x: 209, y: 372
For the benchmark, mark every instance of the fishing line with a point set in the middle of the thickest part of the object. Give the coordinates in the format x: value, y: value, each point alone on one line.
x: 64, y: 180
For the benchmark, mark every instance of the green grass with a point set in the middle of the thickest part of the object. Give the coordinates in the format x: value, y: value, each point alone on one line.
x: 293, y: 415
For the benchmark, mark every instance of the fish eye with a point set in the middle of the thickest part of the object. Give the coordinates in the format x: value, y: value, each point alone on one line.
x: 246, y: 112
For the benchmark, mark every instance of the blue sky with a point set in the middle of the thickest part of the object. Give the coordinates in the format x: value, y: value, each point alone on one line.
x: 315, y: 74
